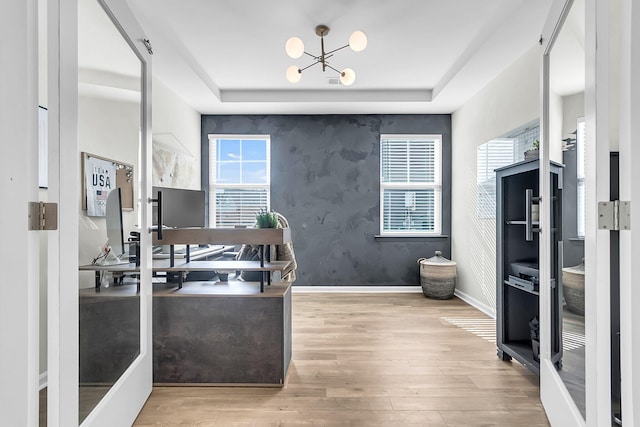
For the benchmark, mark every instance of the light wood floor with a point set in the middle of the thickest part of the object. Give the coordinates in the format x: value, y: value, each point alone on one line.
x: 370, y: 360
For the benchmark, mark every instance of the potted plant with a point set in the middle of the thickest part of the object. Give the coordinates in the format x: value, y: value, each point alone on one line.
x: 266, y: 219
x: 533, y: 152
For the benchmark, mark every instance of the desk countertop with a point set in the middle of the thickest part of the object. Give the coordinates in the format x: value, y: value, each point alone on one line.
x: 194, y: 289
x: 179, y: 265
x: 195, y: 253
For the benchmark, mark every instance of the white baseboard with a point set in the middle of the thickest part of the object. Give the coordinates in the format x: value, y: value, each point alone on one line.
x: 475, y: 303
x: 355, y: 289
x: 43, y: 380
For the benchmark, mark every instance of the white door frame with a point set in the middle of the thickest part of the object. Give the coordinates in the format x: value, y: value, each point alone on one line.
x: 558, y: 403
x: 126, y: 397
x: 597, y: 246
x: 630, y: 240
x: 62, y: 277
x: 19, y: 253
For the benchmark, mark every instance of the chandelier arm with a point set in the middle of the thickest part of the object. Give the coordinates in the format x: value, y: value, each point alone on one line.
x: 335, y: 50
x: 337, y: 71
x: 313, y: 56
x: 309, y: 66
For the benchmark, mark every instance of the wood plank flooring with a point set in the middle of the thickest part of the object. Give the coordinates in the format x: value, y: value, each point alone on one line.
x: 370, y: 360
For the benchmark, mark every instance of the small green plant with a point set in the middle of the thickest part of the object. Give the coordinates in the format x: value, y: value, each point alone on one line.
x: 535, y: 145
x: 266, y: 219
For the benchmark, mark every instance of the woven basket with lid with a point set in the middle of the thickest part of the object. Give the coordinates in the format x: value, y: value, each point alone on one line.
x: 573, y: 288
x: 437, y: 276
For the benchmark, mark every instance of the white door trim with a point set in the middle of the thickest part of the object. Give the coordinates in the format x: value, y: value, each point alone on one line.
x: 630, y: 240
x: 597, y: 242
x: 19, y: 247
x: 62, y: 276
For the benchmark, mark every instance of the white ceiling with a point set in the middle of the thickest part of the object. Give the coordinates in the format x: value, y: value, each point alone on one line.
x: 423, y: 56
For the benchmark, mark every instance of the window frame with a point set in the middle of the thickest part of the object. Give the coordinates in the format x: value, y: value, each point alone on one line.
x: 486, y: 164
x: 436, y: 185
x: 213, y: 186
x: 581, y: 140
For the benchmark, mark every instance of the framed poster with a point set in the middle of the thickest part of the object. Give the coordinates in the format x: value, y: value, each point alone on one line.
x: 100, y: 175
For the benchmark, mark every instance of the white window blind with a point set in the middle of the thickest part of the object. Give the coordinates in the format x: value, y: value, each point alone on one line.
x: 492, y: 155
x: 498, y: 153
x: 580, y: 154
x: 239, y: 179
x: 410, y: 184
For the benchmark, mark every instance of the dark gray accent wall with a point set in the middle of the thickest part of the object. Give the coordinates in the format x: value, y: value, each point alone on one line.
x: 325, y: 174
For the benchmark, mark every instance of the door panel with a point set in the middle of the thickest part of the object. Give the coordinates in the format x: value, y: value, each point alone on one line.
x: 577, y: 390
x: 100, y: 367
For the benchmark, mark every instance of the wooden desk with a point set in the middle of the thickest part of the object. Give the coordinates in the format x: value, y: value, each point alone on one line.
x: 207, y: 333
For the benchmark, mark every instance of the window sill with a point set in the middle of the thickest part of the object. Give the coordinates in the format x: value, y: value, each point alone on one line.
x: 412, y: 238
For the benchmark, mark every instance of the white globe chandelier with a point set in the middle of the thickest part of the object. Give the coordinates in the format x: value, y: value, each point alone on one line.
x: 295, y: 49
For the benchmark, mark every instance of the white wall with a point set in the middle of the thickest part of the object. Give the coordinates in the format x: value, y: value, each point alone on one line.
x: 573, y: 109
x: 509, y: 101
x: 176, y: 128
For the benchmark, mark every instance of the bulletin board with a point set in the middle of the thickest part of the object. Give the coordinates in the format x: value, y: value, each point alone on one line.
x: 101, y: 175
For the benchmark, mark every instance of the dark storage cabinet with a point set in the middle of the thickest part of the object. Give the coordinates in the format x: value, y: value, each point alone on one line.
x: 517, y: 253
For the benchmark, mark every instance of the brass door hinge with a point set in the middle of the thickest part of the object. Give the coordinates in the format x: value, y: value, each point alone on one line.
x: 43, y: 216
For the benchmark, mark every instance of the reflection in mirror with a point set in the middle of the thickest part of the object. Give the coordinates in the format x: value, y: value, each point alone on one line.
x: 567, y: 146
x: 109, y: 120
x: 515, y: 146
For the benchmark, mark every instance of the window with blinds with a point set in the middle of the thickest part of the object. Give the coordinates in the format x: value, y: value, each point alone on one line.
x: 492, y: 155
x: 497, y: 153
x: 580, y: 154
x: 239, y: 179
x: 410, y: 184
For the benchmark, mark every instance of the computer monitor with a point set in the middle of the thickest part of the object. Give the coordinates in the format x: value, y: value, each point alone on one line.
x: 115, y: 226
x: 181, y: 208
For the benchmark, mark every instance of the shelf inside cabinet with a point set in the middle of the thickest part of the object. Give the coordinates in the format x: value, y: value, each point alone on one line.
x: 522, y: 351
x: 536, y: 293
x: 522, y: 222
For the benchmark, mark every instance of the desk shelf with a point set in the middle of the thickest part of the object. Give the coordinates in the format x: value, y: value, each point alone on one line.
x: 263, y: 237
x: 272, y: 266
x: 228, y: 236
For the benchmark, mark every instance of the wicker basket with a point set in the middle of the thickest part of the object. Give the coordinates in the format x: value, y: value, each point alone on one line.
x: 437, y: 276
x: 573, y: 288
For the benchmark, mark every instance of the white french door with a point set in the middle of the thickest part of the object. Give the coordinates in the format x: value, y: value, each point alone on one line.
x: 121, y: 401
x: 629, y: 190
x: 602, y: 23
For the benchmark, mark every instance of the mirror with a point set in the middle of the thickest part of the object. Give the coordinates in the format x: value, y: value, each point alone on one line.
x: 109, y: 128
x: 567, y: 146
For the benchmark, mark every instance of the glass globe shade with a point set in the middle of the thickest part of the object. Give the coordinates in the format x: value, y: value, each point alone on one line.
x: 358, y: 41
x: 294, y: 47
x: 347, y: 77
x: 293, y: 74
